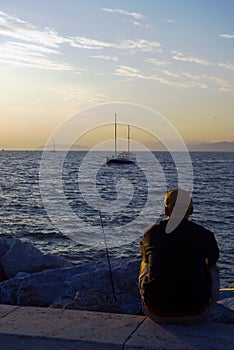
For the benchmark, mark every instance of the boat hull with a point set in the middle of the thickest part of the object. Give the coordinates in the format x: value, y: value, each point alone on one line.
x: 119, y: 161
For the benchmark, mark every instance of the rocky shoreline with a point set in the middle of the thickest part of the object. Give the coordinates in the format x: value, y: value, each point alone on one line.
x: 32, y: 278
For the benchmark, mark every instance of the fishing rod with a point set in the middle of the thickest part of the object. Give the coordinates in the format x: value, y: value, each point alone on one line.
x: 106, y: 247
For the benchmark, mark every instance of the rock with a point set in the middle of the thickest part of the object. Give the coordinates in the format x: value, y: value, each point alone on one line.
x: 17, y: 256
x: 4, y: 246
x: 125, y: 277
x: 221, y: 314
x: 226, y: 298
x: 86, y: 287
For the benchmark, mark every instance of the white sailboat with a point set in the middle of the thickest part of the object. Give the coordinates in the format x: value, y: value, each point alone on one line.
x: 124, y: 157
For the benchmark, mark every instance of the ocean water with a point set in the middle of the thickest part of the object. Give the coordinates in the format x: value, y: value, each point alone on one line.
x: 93, y: 205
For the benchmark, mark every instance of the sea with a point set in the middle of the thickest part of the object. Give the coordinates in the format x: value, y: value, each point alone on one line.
x: 74, y: 205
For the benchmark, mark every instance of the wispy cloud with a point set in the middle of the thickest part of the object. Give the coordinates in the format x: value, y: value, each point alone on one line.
x: 222, y: 84
x: 27, y: 55
x: 139, y: 44
x: 92, y: 44
x: 169, y: 73
x: 226, y: 36
x: 168, y: 20
x: 192, y: 76
x: 184, y: 80
x: 38, y: 50
x: 157, y: 62
x: 136, y: 24
x: 106, y: 58
x: 79, y: 71
x: 227, y: 65
x: 15, y: 28
x: 135, y: 18
x: 35, y: 48
x: 32, y: 47
x: 127, y: 71
x: 179, y: 56
x: 134, y: 15
x: 216, y: 82
x: 82, y: 94
x: 131, y: 72
x: 89, y: 44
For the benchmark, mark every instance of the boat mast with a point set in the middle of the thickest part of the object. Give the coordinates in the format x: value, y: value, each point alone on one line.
x: 128, y: 138
x: 115, y: 137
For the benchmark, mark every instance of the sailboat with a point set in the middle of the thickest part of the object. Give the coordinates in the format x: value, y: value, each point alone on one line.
x: 124, y: 157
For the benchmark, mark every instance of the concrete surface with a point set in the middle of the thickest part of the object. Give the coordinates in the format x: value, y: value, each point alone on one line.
x: 34, y: 328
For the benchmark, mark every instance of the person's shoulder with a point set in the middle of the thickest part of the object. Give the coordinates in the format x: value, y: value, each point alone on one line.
x: 157, y: 226
x: 199, y: 228
x: 153, y: 232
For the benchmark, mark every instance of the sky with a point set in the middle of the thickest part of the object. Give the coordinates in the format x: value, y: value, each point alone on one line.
x: 59, y: 57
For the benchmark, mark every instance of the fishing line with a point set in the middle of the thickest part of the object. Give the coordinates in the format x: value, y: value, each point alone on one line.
x: 106, y: 247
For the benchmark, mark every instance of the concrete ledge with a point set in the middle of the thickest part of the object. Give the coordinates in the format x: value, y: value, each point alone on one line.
x: 35, y: 328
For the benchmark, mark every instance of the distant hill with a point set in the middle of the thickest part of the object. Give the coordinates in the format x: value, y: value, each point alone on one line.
x: 223, y: 146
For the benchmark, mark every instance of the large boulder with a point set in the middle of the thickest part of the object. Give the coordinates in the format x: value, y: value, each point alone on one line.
x: 85, y: 287
x: 18, y: 256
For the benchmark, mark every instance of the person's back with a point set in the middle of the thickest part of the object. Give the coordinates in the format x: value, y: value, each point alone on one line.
x: 175, y: 279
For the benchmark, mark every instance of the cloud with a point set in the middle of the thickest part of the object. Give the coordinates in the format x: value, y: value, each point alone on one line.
x: 107, y: 58
x: 179, y: 56
x: 38, y: 50
x: 128, y: 71
x: 24, y: 55
x: 89, y: 44
x: 215, y: 82
x: 134, y: 15
x: 192, y: 76
x: 84, y: 95
x: 223, y: 85
x: 32, y: 48
x: 200, y: 79
x: 139, y: 44
x: 226, y: 36
x: 136, y: 24
x: 15, y: 28
x: 92, y: 44
x: 79, y: 71
x: 170, y: 73
x: 184, y: 80
x: 157, y: 62
x: 131, y: 72
x: 168, y: 20
x: 227, y: 65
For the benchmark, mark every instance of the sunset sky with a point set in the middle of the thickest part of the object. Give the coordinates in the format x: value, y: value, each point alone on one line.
x: 58, y: 57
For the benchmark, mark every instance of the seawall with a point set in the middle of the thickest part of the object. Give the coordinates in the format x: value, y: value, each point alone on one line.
x: 35, y: 328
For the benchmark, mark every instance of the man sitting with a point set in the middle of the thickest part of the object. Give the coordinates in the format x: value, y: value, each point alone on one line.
x: 178, y: 279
